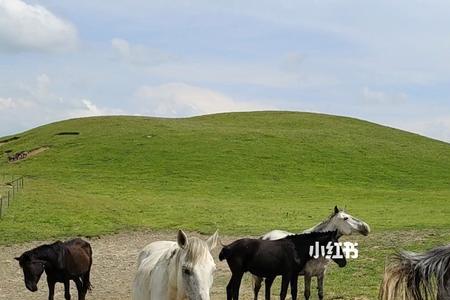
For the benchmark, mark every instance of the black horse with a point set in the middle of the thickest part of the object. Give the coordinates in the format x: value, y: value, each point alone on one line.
x: 62, y: 262
x: 268, y: 259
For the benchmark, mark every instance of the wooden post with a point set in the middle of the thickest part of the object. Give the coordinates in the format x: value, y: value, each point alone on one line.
x: 15, y: 184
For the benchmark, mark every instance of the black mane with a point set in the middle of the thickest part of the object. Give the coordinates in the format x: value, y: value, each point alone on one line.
x: 43, y: 251
x: 311, y: 236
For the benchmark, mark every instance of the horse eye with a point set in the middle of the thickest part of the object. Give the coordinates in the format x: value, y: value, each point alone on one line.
x: 345, y: 218
x: 187, y: 272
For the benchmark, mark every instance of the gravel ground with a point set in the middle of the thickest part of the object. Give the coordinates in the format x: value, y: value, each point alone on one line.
x: 114, y: 264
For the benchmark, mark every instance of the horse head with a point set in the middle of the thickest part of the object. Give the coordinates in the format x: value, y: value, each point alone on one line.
x: 347, y: 224
x: 32, y: 270
x: 196, y: 265
x: 34, y: 262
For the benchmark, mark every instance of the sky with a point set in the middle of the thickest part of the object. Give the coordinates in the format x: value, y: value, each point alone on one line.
x: 383, y: 61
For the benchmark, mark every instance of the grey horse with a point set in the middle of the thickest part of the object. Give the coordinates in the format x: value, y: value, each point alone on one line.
x: 339, y: 220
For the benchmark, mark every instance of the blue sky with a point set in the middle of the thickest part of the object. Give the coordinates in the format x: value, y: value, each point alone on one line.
x: 382, y: 61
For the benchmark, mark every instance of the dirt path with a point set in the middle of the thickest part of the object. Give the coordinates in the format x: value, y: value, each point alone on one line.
x: 37, y: 151
x: 114, y: 266
x: 112, y: 271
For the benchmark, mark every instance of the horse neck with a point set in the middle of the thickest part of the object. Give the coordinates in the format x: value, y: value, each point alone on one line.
x: 302, y: 242
x: 44, y: 252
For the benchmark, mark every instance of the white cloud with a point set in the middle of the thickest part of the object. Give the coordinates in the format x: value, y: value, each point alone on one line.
x: 25, y: 27
x: 86, y: 108
x: 138, y: 54
x: 180, y: 99
x: 10, y: 103
x: 378, y: 97
x: 40, y: 105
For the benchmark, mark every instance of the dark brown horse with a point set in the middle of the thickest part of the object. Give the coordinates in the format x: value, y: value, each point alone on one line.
x: 268, y: 259
x: 62, y: 262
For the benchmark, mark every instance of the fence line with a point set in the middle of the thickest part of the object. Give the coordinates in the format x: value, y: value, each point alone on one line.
x: 14, y: 184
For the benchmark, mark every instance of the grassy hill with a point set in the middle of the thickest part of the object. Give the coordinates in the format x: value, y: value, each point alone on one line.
x: 239, y: 172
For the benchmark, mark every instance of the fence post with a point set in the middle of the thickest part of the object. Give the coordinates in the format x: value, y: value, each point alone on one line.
x: 14, y: 186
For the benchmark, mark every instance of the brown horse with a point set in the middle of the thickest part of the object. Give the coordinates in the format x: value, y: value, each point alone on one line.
x: 62, y: 262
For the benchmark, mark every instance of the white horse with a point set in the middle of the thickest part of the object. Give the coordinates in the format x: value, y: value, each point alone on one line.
x: 417, y: 276
x: 181, y: 270
x: 339, y: 220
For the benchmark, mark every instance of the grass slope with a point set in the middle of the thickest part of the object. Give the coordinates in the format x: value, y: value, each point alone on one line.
x: 244, y: 173
x: 241, y: 172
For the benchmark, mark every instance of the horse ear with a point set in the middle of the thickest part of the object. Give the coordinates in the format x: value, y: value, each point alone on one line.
x: 182, y: 239
x: 17, y: 258
x: 213, y: 240
x: 336, y: 210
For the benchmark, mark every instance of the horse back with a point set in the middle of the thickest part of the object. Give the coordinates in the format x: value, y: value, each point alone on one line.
x: 277, y: 256
x: 261, y: 257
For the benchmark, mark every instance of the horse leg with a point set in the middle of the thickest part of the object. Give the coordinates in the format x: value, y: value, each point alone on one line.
x: 81, y: 293
x: 256, y: 285
x: 233, y: 286
x: 51, y: 288
x: 268, y: 285
x: 67, y: 289
x: 307, y: 286
x: 294, y: 290
x: 284, y: 286
x: 237, y: 285
x: 230, y: 289
x: 320, y: 286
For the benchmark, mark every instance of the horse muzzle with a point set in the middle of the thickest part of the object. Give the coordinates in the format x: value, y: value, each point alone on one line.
x: 31, y: 287
x: 365, y: 230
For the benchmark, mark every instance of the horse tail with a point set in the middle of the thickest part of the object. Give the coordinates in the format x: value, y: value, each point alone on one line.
x: 87, y: 285
x: 224, y: 253
x: 416, y: 276
x: 86, y: 278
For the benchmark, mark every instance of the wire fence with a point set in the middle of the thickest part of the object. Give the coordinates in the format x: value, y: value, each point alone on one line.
x: 10, y: 185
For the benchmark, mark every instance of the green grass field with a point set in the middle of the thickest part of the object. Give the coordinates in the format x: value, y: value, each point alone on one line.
x: 244, y: 173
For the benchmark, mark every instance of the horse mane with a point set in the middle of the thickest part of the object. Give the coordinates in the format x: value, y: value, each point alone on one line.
x: 412, y: 275
x: 41, y: 250
x: 311, y: 235
x: 196, y: 249
x: 320, y: 225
